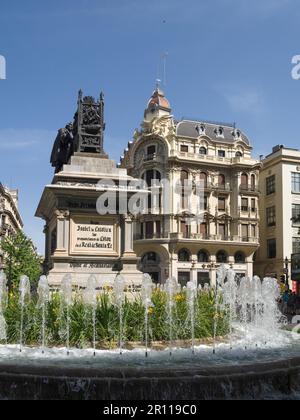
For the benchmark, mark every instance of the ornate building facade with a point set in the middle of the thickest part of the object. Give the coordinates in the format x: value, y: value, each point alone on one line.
x: 10, y: 219
x: 170, y: 239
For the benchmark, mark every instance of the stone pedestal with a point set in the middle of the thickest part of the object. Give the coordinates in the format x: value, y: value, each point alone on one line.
x: 79, y: 240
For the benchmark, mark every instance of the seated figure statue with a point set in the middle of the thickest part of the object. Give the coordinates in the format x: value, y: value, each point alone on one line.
x: 63, y: 148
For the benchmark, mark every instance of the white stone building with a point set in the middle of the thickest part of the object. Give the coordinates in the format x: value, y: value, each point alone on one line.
x: 10, y: 219
x: 279, y: 214
x: 170, y: 239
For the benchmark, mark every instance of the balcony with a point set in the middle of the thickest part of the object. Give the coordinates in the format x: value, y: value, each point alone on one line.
x: 249, y: 189
x: 222, y: 187
x: 149, y: 237
x: 213, y: 238
x: 249, y: 212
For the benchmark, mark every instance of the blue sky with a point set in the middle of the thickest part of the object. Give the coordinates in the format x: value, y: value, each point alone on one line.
x: 229, y: 60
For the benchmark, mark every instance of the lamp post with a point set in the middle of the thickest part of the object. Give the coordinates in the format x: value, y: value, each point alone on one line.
x: 287, y: 271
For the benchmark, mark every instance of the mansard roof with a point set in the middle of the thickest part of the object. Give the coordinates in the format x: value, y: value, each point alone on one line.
x: 218, y: 132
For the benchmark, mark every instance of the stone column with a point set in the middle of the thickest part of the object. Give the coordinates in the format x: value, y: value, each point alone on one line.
x: 128, y: 236
x: 63, y: 230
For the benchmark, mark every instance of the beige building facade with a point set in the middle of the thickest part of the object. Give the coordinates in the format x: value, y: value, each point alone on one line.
x: 279, y: 214
x: 186, y: 235
x: 10, y: 218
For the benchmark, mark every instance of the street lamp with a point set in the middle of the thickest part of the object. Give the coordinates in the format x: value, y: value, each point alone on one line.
x: 287, y: 271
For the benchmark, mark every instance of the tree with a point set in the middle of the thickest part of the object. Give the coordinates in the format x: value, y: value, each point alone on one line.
x: 20, y: 258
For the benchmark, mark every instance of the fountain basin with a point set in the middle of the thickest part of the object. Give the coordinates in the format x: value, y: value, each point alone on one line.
x: 265, y: 373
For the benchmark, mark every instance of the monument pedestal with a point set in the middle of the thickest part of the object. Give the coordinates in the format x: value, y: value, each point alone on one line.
x: 80, y: 241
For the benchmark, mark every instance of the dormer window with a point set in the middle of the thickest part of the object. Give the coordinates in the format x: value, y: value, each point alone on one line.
x: 237, y: 134
x: 239, y: 154
x: 203, y: 151
x: 219, y: 132
x: 200, y: 129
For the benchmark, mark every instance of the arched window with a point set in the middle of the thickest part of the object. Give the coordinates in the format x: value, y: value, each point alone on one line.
x: 203, y: 179
x: 222, y: 257
x: 244, y: 180
x: 203, y: 257
x: 183, y: 255
x: 239, y: 154
x: 150, y: 257
x: 222, y: 180
x: 240, y: 258
x: 203, y: 151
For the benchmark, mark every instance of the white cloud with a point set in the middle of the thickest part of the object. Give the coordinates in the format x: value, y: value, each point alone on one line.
x: 24, y: 139
x: 243, y: 100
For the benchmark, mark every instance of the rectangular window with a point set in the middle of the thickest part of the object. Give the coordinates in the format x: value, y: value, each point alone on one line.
x: 253, y: 231
x: 184, y: 149
x: 185, y: 229
x: 149, y: 230
x: 271, y: 185
x: 271, y: 216
x: 205, y: 206
x: 221, y: 153
x: 295, y: 182
x: 296, y: 245
x: 296, y: 213
x: 221, y: 204
x: 245, y: 234
x: 245, y: 204
x: 183, y: 278
x: 203, y: 230
x: 272, y: 248
x: 253, y: 205
x: 222, y: 231
x: 151, y: 152
x: 158, y: 229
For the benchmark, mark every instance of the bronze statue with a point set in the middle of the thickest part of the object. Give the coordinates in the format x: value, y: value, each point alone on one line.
x: 63, y: 148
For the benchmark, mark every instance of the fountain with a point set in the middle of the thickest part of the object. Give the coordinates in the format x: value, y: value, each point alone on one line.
x: 24, y: 290
x: 67, y: 297
x: 44, y: 296
x: 258, y: 359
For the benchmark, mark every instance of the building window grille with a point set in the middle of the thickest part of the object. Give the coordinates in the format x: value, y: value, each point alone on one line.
x: 295, y: 182
x: 271, y: 216
x: 271, y: 185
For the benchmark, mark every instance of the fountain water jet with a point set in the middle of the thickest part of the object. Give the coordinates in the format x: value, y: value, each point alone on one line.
x: 147, y: 290
x: 3, y: 302
x: 191, y: 293
x: 119, y: 292
x: 24, y: 290
x: 229, y: 298
x: 171, y: 288
x: 90, y: 299
x: 67, y: 299
x: 44, y: 296
x: 221, y: 276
